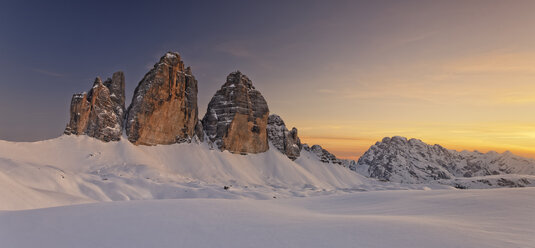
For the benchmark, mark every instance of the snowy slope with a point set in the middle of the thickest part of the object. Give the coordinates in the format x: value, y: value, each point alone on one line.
x: 79, y: 169
x: 494, y: 218
x: 397, y: 159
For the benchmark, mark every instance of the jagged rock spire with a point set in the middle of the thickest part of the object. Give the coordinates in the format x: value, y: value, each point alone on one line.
x: 116, y: 85
x: 322, y: 154
x: 164, y: 106
x: 97, y: 113
x: 236, y: 117
x: 285, y: 141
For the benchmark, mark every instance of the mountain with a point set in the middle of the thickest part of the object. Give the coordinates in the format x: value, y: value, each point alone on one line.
x: 236, y: 117
x: 400, y: 160
x: 164, y: 106
x: 164, y: 111
x: 284, y: 140
x: 100, y: 112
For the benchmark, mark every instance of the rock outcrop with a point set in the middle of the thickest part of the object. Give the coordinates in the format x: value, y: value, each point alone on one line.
x: 236, y: 117
x: 397, y: 159
x: 116, y: 86
x: 99, y: 113
x: 164, y: 106
x: 322, y: 154
x: 285, y: 141
x: 199, y: 132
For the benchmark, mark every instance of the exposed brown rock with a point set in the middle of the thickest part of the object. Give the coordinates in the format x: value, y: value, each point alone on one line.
x: 80, y: 109
x: 164, y: 106
x: 236, y: 118
x: 95, y: 113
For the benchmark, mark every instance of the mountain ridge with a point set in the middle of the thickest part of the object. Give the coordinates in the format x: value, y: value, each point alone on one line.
x: 403, y: 160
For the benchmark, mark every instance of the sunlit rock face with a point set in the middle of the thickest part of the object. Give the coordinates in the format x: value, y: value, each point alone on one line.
x: 99, y: 113
x: 237, y: 116
x: 164, y: 106
x: 285, y: 141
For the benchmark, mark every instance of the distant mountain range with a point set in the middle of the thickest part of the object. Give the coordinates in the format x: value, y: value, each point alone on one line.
x: 400, y: 160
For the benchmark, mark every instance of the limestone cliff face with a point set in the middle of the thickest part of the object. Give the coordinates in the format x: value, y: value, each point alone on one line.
x: 80, y: 109
x: 164, y: 106
x: 96, y: 114
x: 237, y: 116
x: 285, y: 141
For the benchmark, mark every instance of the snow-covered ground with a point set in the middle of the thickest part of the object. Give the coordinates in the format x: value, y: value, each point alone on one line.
x: 80, y: 169
x: 407, y: 218
x: 187, y: 195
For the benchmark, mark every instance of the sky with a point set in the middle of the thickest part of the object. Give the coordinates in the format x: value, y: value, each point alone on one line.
x: 345, y: 73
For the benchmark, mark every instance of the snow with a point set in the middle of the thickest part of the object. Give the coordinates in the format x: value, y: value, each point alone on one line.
x: 415, y: 218
x: 80, y: 169
x: 76, y: 191
x: 170, y: 56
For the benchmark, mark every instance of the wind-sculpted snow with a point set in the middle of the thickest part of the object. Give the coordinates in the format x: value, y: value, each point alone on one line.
x: 495, y: 218
x: 80, y: 169
x: 397, y: 159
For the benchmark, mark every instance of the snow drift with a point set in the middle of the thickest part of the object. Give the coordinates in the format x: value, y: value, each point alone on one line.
x: 80, y: 169
x: 493, y: 218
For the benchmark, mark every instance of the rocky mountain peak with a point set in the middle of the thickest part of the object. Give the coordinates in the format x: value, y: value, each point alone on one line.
x: 97, y: 82
x: 285, y: 141
x: 96, y: 114
x: 188, y: 71
x: 164, y: 106
x: 238, y: 78
x: 172, y: 59
x: 116, y: 86
x: 322, y: 154
x: 413, y: 161
x: 236, y: 117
